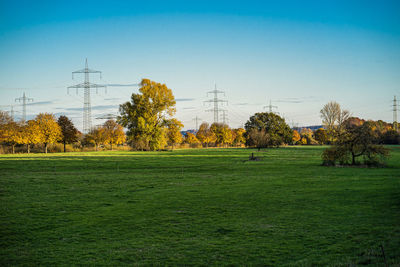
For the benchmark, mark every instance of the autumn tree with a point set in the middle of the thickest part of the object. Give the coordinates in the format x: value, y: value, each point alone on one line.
x: 239, y: 138
x: 31, y: 134
x: 146, y: 114
x: 48, y: 129
x: 259, y: 138
x: 205, y: 135
x: 308, y: 135
x: 296, y: 137
x: 174, y: 134
x: 320, y: 136
x: 114, y: 133
x: 191, y: 139
x: 96, y: 136
x: 222, y: 133
x: 275, y: 127
x: 12, y: 134
x: 68, y: 130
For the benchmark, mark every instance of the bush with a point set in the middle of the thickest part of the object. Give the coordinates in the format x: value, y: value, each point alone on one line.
x: 335, y: 154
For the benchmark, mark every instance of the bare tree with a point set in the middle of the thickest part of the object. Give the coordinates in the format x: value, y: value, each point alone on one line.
x: 333, y: 118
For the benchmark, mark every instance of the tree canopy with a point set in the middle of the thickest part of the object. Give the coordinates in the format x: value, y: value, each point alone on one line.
x: 146, y: 115
x: 68, y: 130
x: 49, y: 130
x: 114, y: 133
x: 275, y: 127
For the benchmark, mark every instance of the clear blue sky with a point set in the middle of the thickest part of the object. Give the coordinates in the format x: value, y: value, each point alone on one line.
x: 299, y: 54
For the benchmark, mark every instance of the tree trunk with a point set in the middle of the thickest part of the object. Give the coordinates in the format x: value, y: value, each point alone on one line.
x: 13, y: 148
x: 64, y: 147
x: 29, y: 148
x: 111, y: 145
x: 96, y: 146
x: 353, y: 159
x: 45, y: 148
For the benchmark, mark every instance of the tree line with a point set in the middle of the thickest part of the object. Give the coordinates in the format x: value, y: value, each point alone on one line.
x: 45, y: 129
x: 150, y: 125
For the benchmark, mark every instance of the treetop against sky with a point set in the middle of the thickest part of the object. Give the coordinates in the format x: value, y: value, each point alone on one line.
x: 298, y: 54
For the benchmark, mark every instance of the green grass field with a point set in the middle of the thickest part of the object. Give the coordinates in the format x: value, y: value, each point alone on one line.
x: 197, y: 207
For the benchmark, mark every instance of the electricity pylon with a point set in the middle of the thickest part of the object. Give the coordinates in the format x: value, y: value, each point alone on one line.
x: 395, y: 126
x: 270, y: 106
x: 24, y: 99
x: 86, y: 85
x: 11, y: 110
x: 224, y: 116
x: 215, y: 101
x: 197, y: 119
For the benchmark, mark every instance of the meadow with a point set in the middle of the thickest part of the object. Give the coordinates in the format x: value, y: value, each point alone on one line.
x: 197, y: 207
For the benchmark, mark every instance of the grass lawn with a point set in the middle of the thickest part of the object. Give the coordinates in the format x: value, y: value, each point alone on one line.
x: 200, y: 207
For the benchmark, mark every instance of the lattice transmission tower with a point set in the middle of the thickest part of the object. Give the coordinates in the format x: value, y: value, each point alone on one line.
x: 215, y: 100
x: 11, y: 110
x: 224, y: 116
x: 197, y: 119
x: 86, y: 86
x: 270, y: 106
x: 24, y: 100
x: 395, y: 125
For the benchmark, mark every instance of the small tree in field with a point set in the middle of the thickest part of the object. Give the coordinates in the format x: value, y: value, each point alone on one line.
x: 275, y: 126
x: 96, y: 136
x: 191, y: 139
x: 260, y: 138
x: 320, y: 136
x: 174, y: 135
x: 356, y: 141
x: 114, y: 133
x: 49, y: 130
x: 69, y: 132
x: 30, y: 134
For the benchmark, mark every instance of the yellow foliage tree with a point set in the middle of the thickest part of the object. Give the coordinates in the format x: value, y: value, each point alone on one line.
x: 114, y: 133
x: 12, y: 134
x: 96, y: 136
x: 30, y: 134
x: 174, y: 132
x: 48, y: 129
x: 239, y: 138
x: 205, y: 135
x: 296, y: 137
x: 191, y: 139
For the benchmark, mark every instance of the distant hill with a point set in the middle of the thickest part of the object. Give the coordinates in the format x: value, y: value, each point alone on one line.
x: 313, y: 127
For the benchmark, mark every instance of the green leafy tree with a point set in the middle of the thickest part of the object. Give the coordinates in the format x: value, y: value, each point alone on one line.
x: 145, y: 116
x: 275, y: 127
x: 68, y: 130
x: 49, y: 130
x: 356, y: 141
